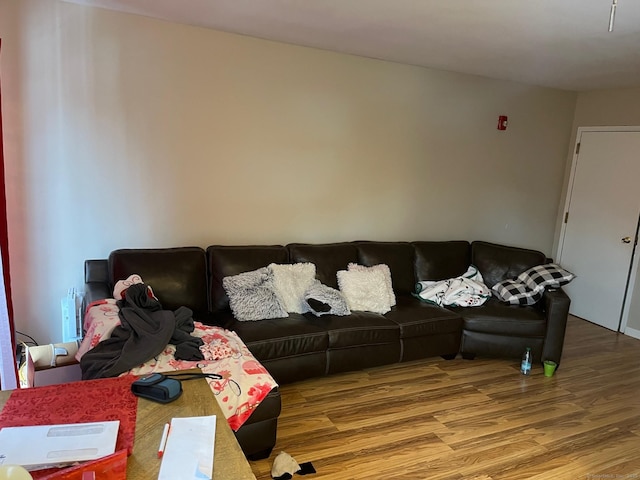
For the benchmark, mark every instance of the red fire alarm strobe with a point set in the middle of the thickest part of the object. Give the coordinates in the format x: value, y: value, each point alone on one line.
x: 502, y: 122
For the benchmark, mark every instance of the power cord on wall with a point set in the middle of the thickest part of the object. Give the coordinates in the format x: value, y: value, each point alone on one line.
x: 21, y: 347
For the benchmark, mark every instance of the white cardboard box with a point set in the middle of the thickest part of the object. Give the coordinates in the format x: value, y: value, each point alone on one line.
x: 51, y: 365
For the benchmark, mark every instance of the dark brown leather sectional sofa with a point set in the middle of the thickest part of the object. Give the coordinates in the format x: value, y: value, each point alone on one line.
x: 301, y: 346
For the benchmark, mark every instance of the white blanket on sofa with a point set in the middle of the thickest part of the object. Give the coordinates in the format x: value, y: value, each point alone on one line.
x: 467, y: 290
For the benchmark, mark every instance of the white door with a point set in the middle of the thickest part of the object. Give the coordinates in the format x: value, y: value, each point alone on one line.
x: 602, y: 208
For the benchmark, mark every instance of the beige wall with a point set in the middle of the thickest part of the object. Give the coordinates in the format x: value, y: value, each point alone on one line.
x: 619, y: 107
x: 123, y: 131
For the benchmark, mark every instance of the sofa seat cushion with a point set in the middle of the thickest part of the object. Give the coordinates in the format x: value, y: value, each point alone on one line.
x: 419, y: 319
x: 359, y: 328
x: 497, y: 318
x: 291, y: 336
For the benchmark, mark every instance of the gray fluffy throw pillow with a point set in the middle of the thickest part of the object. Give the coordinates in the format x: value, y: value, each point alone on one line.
x: 324, y: 300
x: 252, y: 295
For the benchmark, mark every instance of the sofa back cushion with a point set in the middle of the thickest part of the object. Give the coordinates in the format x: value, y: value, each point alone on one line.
x: 328, y: 258
x: 178, y: 276
x: 228, y: 260
x: 499, y: 262
x: 398, y: 256
x: 441, y: 260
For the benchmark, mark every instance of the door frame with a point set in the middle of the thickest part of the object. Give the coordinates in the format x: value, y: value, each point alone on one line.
x: 635, y: 258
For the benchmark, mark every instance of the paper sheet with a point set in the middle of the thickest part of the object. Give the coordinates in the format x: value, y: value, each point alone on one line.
x: 42, y: 446
x: 188, y: 454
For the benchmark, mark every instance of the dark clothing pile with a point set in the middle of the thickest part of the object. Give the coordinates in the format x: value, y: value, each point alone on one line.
x: 187, y: 346
x: 145, y: 330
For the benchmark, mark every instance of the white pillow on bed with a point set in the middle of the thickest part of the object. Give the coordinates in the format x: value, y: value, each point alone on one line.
x: 291, y: 281
x: 252, y: 295
x: 365, y: 290
x: 386, y: 271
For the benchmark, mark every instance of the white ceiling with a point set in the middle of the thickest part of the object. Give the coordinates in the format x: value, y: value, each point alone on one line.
x: 555, y: 43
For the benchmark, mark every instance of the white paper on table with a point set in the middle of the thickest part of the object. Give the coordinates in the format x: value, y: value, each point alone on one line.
x: 40, y: 446
x: 188, y: 454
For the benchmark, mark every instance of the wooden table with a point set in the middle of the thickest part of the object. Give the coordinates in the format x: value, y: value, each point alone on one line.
x: 196, y: 400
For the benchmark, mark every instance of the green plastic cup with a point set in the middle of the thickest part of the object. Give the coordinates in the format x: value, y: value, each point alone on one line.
x: 549, y: 368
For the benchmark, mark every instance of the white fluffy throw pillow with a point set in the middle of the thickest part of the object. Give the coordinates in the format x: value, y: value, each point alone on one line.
x: 252, y: 295
x: 365, y: 290
x: 384, y: 268
x: 291, y: 281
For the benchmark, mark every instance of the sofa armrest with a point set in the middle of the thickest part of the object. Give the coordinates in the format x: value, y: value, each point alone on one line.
x: 556, y: 306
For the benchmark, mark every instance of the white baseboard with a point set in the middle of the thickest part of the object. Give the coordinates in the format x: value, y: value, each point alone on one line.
x: 632, y: 332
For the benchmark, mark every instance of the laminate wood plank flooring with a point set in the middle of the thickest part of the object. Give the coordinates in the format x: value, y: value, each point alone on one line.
x: 472, y: 419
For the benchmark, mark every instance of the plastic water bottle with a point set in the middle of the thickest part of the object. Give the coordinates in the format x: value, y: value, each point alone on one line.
x: 525, y: 366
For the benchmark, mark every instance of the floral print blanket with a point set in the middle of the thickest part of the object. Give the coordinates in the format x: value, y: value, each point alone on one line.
x: 244, y: 383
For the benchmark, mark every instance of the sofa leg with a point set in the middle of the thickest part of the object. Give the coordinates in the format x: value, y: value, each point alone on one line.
x: 468, y: 356
x: 260, y: 455
x: 449, y: 356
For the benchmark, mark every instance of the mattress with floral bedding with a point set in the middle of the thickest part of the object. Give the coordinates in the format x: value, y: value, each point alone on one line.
x: 244, y: 383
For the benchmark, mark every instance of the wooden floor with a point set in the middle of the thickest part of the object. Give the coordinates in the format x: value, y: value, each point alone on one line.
x: 472, y: 419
